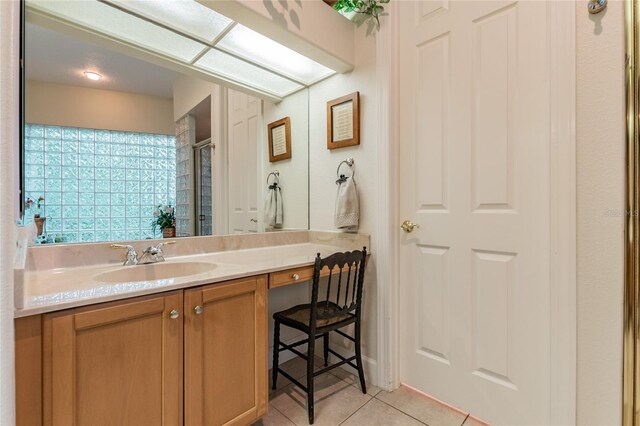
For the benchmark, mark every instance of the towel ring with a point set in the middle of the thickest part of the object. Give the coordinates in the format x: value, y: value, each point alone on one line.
x: 276, y: 177
x: 342, y: 178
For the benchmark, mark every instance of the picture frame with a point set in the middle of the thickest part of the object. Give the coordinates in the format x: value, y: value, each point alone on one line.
x: 343, y: 121
x: 279, y: 140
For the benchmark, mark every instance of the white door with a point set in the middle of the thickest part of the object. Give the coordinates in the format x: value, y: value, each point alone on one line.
x: 474, y: 288
x: 244, y: 114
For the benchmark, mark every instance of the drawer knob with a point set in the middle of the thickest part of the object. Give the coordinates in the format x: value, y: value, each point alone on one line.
x: 295, y: 277
x: 174, y: 314
x: 198, y: 310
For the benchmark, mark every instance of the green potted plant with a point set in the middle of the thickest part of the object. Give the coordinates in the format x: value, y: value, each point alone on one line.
x: 165, y: 219
x: 362, y: 11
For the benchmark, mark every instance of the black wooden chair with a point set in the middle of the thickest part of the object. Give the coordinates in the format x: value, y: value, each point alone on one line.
x: 339, y: 306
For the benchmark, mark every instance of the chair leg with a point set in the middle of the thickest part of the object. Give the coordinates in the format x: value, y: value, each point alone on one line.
x: 363, y: 386
x: 326, y: 348
x: 310, y: 359
x: 276, y: 354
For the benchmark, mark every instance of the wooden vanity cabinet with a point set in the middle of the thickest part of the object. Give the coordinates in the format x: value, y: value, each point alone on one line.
x: 117, y: 364
x: 122, y: 363
x: 226, y: 353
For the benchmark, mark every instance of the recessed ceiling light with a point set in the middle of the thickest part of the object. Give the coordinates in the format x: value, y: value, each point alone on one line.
x: 92, y: 75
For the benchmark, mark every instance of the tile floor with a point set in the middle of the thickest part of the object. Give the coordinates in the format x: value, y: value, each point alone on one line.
x: 339, y: 401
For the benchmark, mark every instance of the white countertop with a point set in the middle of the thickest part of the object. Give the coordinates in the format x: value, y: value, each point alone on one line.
x: 56, y: 289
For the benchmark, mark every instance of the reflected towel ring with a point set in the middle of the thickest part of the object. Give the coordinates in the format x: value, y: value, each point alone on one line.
x: 276, y: 177
x: 342, y: 178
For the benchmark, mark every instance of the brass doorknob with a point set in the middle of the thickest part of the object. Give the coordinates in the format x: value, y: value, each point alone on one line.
x: 407, y: 226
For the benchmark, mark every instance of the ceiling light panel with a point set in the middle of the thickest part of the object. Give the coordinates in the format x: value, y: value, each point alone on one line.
x: 98, y: 17
x: 257, y: 48
x: 186, y: 16
x: 245, y: 73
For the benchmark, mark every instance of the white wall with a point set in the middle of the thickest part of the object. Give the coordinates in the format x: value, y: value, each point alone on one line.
x: 323, y: 164
x: 75, y: 106
x: 9, y: 34
x: 600, y: 143
x: 188, y: 92
x: 294, y: 172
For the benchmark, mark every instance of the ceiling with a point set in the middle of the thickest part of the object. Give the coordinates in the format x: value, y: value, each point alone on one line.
x: 186, y: 36
x: 57, y: 58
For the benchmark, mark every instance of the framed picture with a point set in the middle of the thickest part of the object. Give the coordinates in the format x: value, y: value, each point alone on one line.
x: 343, y: 121
x: 279, y: 140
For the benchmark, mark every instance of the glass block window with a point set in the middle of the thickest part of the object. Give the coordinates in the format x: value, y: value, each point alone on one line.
x: 98, y: 185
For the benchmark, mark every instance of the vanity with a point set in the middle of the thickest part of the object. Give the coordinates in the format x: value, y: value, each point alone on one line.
x: 100, y: 342
x: 179, y: 148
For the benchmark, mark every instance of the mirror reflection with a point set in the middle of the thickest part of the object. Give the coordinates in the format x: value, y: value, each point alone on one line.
x: 120, y: 148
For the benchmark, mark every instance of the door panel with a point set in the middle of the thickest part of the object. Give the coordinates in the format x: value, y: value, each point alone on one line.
x: 116, y: 364
x: 230, y: 333
x: 474, y: 121
x: 244, y: 117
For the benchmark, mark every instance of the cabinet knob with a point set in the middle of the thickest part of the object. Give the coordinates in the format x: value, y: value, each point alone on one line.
x: 198, y: 310
x: 174, y: 314
x: 295, y: 277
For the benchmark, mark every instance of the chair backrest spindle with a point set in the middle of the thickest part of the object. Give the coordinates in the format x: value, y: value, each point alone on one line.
x: 348, y: 290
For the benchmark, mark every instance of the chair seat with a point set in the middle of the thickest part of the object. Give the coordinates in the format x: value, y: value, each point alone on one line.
x: 299, y: 316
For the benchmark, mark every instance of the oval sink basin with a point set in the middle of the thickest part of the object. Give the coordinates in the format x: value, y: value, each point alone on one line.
x: 155, y: 271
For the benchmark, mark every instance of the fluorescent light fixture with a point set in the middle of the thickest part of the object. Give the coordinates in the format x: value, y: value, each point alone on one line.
x: 92, y: 75
x: 187, y: 16
x: 119, y: 25
x: 189, y: 34
x: 250, y: 75
x: 257, y: 48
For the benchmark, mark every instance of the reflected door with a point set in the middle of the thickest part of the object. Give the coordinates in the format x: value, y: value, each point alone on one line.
x: 204, y: 189
x: 244, y: 112
x: 474, y: 126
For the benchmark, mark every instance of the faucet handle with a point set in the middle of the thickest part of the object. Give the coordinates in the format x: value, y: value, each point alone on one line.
x: 165, y: 243
x: 132, y: 256
x: 159, y: 246
x: 125, y: 246
x: 155, y: 252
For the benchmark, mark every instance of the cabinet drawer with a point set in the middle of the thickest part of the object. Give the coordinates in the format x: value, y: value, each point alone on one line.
x: 297, y: 275
x: 290, y: 276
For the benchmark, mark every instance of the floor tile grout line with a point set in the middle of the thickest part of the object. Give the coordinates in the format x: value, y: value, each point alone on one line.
x: 283, y: 414
x: 357, y: 386
x: 371, y: 397
x: 359, y: 408
x: 290, y: 384
x: 402, y: 411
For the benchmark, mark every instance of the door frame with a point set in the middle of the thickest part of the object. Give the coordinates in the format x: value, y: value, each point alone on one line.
x: 562, y: 232
x: 631, y: 332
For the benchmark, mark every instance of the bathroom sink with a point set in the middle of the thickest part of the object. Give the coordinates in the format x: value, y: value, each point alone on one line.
x: 155, y: 271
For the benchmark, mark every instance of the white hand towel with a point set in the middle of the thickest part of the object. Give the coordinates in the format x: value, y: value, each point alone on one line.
x: 347, y: 215
x: 279, y: 211
x: 273, y: 215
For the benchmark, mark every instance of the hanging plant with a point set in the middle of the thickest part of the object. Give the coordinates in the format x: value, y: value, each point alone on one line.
x: 364, y: 10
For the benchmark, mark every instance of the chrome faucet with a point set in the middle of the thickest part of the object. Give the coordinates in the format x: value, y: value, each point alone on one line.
x: 131, y: 258
x: 154, y: 253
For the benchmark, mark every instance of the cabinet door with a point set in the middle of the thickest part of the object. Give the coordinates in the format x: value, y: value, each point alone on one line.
x: 118, y: 363
x: 226, y: 353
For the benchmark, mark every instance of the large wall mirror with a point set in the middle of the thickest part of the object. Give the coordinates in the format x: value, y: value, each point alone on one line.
x: 128, y: 118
